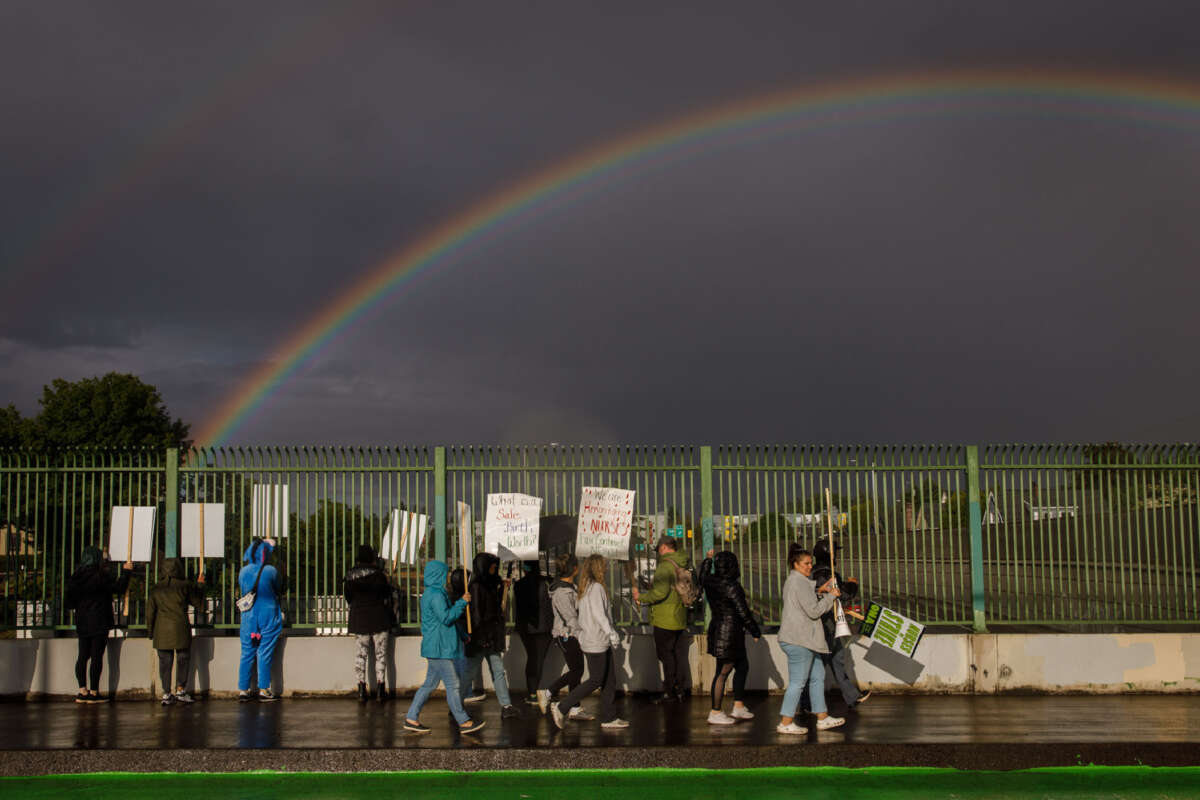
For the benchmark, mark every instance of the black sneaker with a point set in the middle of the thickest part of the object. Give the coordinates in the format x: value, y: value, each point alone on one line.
x: 471, y: 726
x: 362, y: 693
x: 509, y: 712
x: 82, y: 697
x: 244, y: 696
x: 415, y: 727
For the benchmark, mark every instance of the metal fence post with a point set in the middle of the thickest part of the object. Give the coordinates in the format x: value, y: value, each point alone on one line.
x: 439, y: 503
x: 706, y: 498
x: 171, y: 501
x: 978, y: 594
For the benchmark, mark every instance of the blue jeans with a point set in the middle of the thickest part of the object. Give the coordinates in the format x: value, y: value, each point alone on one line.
x: 496, y: 665
x: 441, y: 670
x: 804, y: 668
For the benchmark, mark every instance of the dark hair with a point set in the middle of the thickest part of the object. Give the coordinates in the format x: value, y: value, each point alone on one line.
x: 566, y: 564
x: 796, y: 552
x: 669, y: 542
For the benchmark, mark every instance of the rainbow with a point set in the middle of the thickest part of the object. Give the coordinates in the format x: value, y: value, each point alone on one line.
x: 1145, y: 100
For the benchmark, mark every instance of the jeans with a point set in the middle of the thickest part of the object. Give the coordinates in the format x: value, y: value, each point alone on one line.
x: 602, y: 675
x: 496, y: 665
x: 842, y: 664
x: 671, y: 647
x: 804, y: 669
x: 440, y: 670
x: 536, y: 647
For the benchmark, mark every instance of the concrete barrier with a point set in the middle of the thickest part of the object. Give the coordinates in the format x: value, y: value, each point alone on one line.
x: 954, y: 663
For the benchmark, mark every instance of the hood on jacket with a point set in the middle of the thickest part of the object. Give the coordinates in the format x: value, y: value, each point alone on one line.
x: 458, y: 584
x: 531, y: 567
x: 676, y: 557
x: 365, y: 554
x: 435, y: 574
x: 91, y: 557
x: 561, y: 584
x: 172, y: 568
x: 258, y: 552
x: 482, y: 567
x: 725, y: 565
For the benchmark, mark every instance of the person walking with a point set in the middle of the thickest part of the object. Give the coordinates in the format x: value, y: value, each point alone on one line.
x: 802, y: 639
x: 488, y: 630
x: 90, y: 591
x: 440, y: 647
x: 564, y: 600
x: 170, y: 631
x: 597, y: 638
x: 459, y: 578
x: 730, y: 621
x: 368, y: 593
x: 534, y: 620
x: 262, y: 624
x: 668, y: 620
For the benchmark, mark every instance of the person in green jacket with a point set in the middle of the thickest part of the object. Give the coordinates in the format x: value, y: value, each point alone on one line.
x: 168, y: 627
x: 668, y: 620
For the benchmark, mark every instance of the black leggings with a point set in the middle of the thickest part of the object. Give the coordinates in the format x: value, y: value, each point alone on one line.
x: 90, y: 648
x: 182, y: 659
x: 573, y: 656
x: 724, y: 666
x: 536, y: 646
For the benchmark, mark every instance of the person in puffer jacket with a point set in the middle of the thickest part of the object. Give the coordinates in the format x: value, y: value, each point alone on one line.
x: 488, y: 629
x: 597, y: 638
x: 261, y: 625
x: 564, y: 632
x: 368, y: 593
x: 731, y: 620
x: 440, y: 646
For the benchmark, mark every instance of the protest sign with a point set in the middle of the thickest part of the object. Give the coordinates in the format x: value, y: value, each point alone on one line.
x: 202, y: 530
x: 605, y: 523
x: 270, y: 510
x: 510, y: 529
x: 131, y: 531
x: 892, y: 629
x: 404, y: 537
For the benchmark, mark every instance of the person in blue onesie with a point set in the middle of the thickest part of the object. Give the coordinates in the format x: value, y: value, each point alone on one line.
x: 262, y: 624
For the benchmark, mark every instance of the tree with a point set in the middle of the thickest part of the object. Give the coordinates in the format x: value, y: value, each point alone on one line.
x: 14, y: 429
x: 770, y: 526
x: 118, y: 411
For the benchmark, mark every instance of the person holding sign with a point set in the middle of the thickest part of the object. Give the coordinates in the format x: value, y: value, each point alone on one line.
x: 368, y: 592
x: 802, y: 638
x: 487, y: 631
x: 262, y: 622
x: 169, y: 630
x: 731, y: 620
x: 440, y: 647
x: 597, y: 638
x: 90, y: 591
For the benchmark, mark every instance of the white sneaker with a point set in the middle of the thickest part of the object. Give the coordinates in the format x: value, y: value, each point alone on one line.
x: 475, y: 698
x: 615, y: 723
x: 741, y: 712
x: 791, y: 728
x: 720, y: 718
x: 559, y: 720
x: 543, y: 701
x: 830, y: 722
x: 577, y: 713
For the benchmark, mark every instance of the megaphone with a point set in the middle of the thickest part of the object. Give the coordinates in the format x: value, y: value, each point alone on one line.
x: 841, y: 628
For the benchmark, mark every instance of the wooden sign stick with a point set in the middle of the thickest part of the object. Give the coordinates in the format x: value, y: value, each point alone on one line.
x: 462, y: 535
x: 128, y: 557
x: 403, y: 542
x: 829, y: 526
x: 202, y: 541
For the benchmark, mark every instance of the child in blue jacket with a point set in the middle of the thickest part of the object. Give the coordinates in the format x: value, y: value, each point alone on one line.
x: 440, y: 646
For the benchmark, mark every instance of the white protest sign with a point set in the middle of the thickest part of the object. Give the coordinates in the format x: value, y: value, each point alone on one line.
x: 404, y: 537
x: 605, y: 523
x: 202, y: 530
x: 892, y: 629
x: 131, y: 529
x: 510, y: 529
x: 270, y: 511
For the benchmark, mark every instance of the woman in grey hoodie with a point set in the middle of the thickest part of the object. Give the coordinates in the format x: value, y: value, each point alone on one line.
x: 564, y: 602
x: 802, y: 638
x: 597, y: 638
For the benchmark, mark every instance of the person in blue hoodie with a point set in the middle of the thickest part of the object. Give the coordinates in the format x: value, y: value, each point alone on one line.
x: 440, y: 647
x: 263, y: 623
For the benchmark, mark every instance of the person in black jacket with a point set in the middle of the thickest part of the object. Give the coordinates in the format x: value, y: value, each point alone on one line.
x: 487, y: 638
x: 90, y: 591
x: 534, y: 619
x: 731, y: 619
x: 368, y: 594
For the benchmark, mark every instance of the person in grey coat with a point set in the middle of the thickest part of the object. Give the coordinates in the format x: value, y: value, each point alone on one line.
x: 802, y: 639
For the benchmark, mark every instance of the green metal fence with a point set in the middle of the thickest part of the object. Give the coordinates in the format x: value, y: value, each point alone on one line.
x: 1066, y: 535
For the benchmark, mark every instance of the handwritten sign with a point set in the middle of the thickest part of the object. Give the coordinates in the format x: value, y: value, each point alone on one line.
x: 892, y: 629
x: 404, y: 537
x: 510, y: 529
x: 605, y: 523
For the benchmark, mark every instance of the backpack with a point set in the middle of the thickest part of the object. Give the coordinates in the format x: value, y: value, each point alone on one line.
x: 686, y: 586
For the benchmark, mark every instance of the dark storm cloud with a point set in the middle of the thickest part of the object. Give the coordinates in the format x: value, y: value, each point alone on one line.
x: 206, y: 178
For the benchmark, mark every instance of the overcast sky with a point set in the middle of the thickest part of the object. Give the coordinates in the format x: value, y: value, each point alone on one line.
x: 185, y: 184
